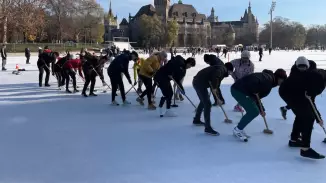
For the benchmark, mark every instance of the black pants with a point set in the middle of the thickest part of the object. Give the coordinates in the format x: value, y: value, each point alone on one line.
x: 149, y: 88
x: 27, y: 60
x: 303, y: 123
x: 90, y: 77
x: 117, y: 82
x: 167, y: 92
x: 205, y: 104
x: 69, y: 73
x: 59, y: 75
x: 260, y: 57
x: 43, y: 67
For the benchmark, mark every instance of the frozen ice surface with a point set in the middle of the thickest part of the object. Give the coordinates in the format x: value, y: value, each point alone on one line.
x: 48, y: 136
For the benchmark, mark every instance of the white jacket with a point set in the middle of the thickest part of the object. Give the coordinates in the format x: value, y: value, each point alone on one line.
x: 242, y: 68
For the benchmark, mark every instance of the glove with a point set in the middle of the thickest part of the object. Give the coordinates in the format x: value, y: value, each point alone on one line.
x: 129, y: 80
x: 104, y: 83
x: 135, y: 83
x: 262, y: 113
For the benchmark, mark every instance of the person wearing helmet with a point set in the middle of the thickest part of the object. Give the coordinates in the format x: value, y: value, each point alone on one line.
x: 242, y: 67
x: 296, y: 91
x: 245, y: 91
x: 301, y: 65
x: 174, y: 70
x: 147, y: 71
x: 209, y: 77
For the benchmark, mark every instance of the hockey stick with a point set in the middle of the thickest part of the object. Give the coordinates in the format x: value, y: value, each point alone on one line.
x: 316, y: 113
x: 267, y: 130
x: 226, y: 120
x: 184, y: 94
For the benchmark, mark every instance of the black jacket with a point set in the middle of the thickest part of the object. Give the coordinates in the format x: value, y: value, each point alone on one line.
x: 27, y: 52
x: 294, y: 88
x: 214, y: 60
x: 4, y: 53
x: 211, y: 76
x: 92, y: 65
x: 296, y: 72
x: 260, y: 83
x: 120, y: 65
x: 45, y: 59
x: 175, y: 68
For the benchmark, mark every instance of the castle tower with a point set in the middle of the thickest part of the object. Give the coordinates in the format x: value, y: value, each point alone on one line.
x: 250, y: 15
x: 162, y: 8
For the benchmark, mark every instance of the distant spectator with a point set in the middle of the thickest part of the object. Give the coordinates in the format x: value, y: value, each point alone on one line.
x: 27, y: 55
x: 4, y: 57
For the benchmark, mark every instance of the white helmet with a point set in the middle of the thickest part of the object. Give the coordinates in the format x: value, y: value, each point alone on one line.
x: 302, y: 61
x: 245, y: 54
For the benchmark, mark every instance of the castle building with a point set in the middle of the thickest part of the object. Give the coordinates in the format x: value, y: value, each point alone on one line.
x: 195, y: 29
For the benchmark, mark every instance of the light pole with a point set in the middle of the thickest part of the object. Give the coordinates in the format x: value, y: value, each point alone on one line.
x: 271, y: 13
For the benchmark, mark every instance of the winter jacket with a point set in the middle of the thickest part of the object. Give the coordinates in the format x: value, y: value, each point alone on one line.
x: 27, y: 52
x: 214, y: 60
x: 4, y: 53
x: 46, y: 59
x: 242, y: 68
x: 296, y: 72
x: 47, y: 51
x: 136, y: 67
x: 120, y: 65
x: 175, y: 68
x: 211, y: 76
x: 74, y: 64
x: 261, y: 52
x: 294, y: 88
x: 260, y: 83
x: 150, y: 66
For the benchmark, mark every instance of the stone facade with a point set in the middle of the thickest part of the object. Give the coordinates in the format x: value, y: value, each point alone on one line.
x: 195, y: 29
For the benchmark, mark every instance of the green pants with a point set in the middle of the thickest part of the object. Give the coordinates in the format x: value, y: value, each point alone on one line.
x: 248, y: 104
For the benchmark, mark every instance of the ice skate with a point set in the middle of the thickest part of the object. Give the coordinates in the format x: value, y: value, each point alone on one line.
x: 238, y: 108
x: 210, y: 131
x: 151, y: 107
x: 140, y: 101
x: 310, y: 153
x: 197, y: 122
x: 283, y: 112
x: 161, y: 112
x: 114, y: 103
x: 239, y: 134
x: 126, y: 102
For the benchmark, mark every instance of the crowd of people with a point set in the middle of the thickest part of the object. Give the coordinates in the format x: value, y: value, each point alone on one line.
x: 299, y: 90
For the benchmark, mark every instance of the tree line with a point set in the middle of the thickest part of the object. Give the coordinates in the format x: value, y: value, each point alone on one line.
x: 290, y: 34
x: 51, y: 20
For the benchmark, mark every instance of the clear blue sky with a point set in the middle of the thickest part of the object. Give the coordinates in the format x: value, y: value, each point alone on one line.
x: 307, y: 12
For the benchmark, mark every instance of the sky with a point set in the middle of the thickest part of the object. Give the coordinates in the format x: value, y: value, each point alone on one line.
x: 308, y: 12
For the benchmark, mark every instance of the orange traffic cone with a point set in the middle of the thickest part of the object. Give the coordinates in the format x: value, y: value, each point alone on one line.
x: 17, y: 67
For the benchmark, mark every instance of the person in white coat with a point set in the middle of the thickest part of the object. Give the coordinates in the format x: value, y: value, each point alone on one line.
x: 242, y: 67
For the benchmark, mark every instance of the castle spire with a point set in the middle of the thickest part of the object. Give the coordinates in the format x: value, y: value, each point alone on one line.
x: 110, y: 9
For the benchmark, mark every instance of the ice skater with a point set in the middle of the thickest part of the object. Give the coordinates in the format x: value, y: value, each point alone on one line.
x: 246, y: 90
x: 174, y: 70
x: 242, y: 67
x: 296, y: 91
x: 209, y: 77
x: 301, y: 65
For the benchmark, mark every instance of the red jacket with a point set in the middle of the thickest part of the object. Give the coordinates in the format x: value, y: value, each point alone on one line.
x: 47, y: 51
x: 74, y: 64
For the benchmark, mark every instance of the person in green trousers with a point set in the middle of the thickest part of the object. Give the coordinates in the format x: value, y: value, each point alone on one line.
x: 245, y: 91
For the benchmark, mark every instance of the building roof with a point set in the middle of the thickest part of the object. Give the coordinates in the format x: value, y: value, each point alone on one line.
x: 147, y: 10
x: 187, y: 11
x: 124, y: 22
